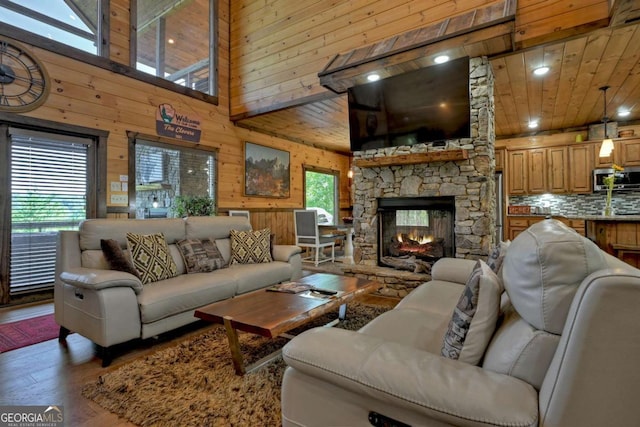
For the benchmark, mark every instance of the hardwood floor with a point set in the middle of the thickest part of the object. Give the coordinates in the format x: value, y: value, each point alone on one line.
x: 50, y: 373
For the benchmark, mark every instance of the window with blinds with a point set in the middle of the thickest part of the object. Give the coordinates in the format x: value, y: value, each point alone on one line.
x: 165, y: 172
x: 48, y: 194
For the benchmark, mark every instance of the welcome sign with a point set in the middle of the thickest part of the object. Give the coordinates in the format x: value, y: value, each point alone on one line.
x: 173, y: 124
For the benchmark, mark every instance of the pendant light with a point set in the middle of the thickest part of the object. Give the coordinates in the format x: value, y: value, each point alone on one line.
x: 607, y: 144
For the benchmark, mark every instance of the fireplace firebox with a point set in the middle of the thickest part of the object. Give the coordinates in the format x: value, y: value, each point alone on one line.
x: 415, y: 230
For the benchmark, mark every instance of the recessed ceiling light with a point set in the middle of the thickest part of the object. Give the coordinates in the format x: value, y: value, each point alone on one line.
x: 171, y: 41
x: 373, y: 77
x: 623, y: 113
x: 541, y: 71
x: 441, y: 59
x: 533, y: 124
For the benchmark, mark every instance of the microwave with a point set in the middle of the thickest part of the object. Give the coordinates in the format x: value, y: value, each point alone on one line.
x: 626, y: 180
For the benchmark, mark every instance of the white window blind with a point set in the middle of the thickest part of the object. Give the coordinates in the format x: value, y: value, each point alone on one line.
x: 48, y: 194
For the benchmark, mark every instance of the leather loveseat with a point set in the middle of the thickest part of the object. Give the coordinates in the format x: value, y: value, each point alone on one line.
x: 564, y: 351
x: 111, y: 307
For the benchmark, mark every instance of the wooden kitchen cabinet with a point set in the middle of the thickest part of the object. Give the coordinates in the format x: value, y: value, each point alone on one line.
x: 517, y: 172
x: 516, y: 225
x: 626, y: 152
x: 581, y: 168
x: 557, y: 170
x: 500, y: 159
x: 537, y: 173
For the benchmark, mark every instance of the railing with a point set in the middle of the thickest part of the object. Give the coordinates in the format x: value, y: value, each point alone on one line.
x: 33, y: 254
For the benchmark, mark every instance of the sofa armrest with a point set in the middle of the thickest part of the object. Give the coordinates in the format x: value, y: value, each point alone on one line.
x: 285, y: 252
x: 455, y: 270
x: 430, y: 385
x: 92, y: 278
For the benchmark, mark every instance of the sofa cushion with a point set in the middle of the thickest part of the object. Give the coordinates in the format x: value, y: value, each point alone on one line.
x: 542, y: 270
x: 200, y: 256
x: 250, y: 277
x: 182, y: 293
x: 496, y: 257
x: 474, y: 317
x: 251, y: 247
x: 151, y: 257
x: 116, y: 257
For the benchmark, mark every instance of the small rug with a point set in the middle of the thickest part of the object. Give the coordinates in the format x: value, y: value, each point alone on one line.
x: 27, y: 332
x: 193, y: 383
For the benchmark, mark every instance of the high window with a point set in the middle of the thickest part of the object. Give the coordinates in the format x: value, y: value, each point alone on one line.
x: 75, y: 23
x: 321, y: 194
x: 166, y: 173
x: 175, y: 40
x: 49, y: 187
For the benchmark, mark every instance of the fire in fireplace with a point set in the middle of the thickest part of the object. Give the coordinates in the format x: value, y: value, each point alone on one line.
x: 414, y: 232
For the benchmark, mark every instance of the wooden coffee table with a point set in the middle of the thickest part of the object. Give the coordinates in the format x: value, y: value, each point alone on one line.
x: 272, y: 314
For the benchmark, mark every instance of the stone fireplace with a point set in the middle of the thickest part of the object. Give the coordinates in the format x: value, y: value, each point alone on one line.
x: 415, y: 231
x: 468, y: 183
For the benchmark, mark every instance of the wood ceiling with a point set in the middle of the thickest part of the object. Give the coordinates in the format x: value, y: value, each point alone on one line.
x: 568, y: 97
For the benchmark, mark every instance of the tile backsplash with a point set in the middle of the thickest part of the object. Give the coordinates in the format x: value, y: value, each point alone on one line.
x: 582, y: 204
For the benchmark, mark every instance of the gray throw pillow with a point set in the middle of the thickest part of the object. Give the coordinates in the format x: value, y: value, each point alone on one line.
x: 200, y: 256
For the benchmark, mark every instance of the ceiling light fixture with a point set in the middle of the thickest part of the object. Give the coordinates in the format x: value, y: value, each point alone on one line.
x: 533, y: 124
x: 541, y: 71
x: 441, y: 59
x: 171, y: 41
x: 607, y: 144
x: 623, y: 113
x: 373, y: 77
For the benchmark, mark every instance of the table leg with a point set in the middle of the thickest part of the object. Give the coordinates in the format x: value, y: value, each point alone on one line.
x: 234, y: 346
x: 342, y: 312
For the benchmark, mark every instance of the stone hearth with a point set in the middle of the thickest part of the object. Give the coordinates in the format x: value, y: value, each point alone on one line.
x: 470, y: 181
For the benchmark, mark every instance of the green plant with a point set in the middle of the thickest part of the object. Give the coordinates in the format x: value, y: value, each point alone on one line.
x: 193, y: 206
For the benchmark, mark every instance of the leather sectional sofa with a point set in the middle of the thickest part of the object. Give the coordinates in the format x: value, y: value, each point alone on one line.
x: 564, y: 350
x: 111, y: 307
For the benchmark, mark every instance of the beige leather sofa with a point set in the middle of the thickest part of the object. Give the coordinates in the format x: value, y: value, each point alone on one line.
x: 564, y: 354
x: 111, y: 307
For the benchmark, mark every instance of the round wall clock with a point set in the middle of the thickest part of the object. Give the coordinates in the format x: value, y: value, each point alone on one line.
x: 24, y: 83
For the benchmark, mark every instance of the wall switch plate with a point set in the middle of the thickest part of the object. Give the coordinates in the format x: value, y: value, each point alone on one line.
x: 119, y: 199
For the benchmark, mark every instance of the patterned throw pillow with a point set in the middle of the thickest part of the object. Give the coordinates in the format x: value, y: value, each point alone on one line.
x: 151, y: 257
x: 497, y: 256
x: 116, y: 257
x: 474, y: 318
x: 200, y: 256
x: 250, y: 247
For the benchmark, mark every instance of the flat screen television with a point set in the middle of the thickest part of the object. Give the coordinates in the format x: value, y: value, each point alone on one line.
x: 426, y: 105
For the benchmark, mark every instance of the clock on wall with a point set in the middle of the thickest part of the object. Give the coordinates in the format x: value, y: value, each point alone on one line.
x: 24, y: 83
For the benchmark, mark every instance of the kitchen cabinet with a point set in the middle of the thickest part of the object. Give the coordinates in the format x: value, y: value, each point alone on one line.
x: 517, y: 224
x: 626, y: 152
x: 620, y: 238
x: 557, y: 170
x: 517, y: 172
x: 581, y: 168
x: 500, y: 159
x: 538, y: 171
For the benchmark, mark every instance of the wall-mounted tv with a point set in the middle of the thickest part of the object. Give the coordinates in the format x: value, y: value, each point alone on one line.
x: 426, y: 105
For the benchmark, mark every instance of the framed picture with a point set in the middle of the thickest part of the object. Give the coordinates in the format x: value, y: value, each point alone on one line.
x: 266, y: 171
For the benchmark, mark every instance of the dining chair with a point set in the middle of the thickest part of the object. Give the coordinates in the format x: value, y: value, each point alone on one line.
x: 308, y: 236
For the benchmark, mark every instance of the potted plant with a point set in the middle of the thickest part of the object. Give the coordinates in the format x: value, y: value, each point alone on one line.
x: 193, y: 206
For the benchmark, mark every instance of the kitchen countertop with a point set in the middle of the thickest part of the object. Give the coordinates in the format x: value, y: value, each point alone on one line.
x: 617, y: 218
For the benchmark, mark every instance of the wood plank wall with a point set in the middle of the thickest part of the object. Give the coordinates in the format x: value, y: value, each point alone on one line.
x: 88, y: 96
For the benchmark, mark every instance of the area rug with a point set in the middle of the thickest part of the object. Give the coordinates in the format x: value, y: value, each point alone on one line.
x: 193, y: 383
x: 27, y: 332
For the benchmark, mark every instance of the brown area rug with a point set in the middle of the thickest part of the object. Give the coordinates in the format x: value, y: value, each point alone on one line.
x: 194, y: 384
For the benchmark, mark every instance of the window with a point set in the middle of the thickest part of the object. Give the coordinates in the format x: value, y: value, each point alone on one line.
x: 321, y: 194
x: 175, y: 40
x: 49, y: 188
x: 71, y: 22
x: 164, y: 172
